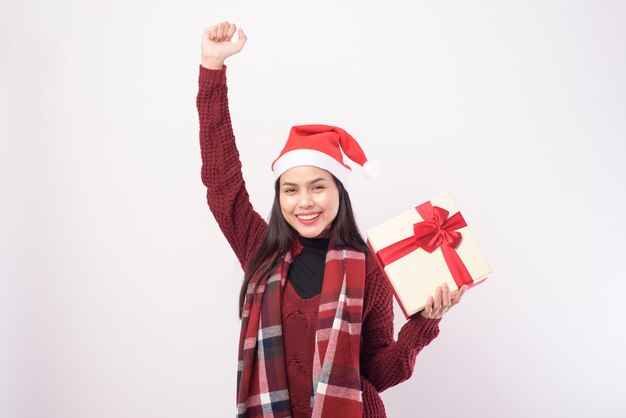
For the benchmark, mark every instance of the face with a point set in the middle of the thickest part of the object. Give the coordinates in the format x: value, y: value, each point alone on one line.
x: 309, y: 200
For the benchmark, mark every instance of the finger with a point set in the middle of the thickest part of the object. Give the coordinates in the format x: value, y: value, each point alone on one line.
x: 428, y: 308
x: 455, y: 298
x: 207, y: 32
x: 225, y: 26
x: 223, y: 30
x: 231, y: 31
x: 459, y: 294
x: 445, y: 297
x: 437, y: 302
x: 212, y: 33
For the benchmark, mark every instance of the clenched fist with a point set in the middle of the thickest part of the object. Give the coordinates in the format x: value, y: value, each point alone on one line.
x: 216, y: 44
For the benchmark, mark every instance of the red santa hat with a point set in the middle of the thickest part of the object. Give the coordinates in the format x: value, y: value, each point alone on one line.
x: 321, y: 146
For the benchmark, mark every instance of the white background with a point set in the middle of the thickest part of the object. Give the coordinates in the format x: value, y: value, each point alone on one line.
x: 118, y: 293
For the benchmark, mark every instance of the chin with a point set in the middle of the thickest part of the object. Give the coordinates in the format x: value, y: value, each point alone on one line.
x: 309, y: 234
x: 313, y: 233
x: 323, y: 234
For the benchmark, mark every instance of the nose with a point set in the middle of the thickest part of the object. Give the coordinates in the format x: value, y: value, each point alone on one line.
x: 305, y: 200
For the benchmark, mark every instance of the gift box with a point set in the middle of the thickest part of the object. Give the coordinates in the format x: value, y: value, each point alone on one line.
x: 425, y: 247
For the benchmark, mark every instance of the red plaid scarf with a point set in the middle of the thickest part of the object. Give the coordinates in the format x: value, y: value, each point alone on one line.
x: 262, y: 378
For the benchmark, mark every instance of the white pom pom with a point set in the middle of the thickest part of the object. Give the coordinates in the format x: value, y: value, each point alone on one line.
x: 371, y: 169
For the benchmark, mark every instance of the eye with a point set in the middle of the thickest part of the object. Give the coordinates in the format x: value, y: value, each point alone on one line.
x: 318, y: 187
x: 289, y: 190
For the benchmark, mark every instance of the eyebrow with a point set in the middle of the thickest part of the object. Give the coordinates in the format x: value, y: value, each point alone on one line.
x: 310, y: 182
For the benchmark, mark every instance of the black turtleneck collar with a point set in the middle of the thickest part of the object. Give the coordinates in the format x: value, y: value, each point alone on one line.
x: 306, y: 273
x: 319, y: 243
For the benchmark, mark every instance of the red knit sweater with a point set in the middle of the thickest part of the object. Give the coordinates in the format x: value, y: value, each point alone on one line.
x: 384, y: 362
x: 299, y: 318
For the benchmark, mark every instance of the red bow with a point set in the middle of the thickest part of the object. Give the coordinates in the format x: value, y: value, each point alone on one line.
x: 436, y: 230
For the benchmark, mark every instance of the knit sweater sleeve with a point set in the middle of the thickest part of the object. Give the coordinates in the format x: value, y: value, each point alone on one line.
x: 384, y: 361
x: 221, y: 172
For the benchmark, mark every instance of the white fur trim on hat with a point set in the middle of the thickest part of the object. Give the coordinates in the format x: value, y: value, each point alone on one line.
x: 315, y: 158
x: 371, y: 169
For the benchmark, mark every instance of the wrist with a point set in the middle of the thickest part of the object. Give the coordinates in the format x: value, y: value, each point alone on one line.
x: 212, y: 63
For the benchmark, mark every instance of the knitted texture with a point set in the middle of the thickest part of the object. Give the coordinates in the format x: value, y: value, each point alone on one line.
x: 384, y: 362
x: 299, y: 319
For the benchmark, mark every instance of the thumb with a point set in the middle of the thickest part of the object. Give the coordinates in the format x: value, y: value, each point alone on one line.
x: 241, y: 39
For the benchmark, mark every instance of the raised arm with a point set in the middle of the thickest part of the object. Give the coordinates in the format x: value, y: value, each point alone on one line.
x: 227, y: 196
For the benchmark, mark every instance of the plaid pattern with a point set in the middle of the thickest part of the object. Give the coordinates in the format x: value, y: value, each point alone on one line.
x: 262, y: 389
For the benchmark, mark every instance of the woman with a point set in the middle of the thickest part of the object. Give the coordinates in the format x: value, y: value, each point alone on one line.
x: 317, y: 314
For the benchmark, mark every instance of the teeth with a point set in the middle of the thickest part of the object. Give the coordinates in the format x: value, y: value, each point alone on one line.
x: 308, y: 217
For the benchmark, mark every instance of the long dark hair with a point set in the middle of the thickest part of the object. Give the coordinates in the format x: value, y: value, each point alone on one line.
x: 279, y: 236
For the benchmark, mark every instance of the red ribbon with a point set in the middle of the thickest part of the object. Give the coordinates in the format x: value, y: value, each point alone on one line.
x: 436, y: 230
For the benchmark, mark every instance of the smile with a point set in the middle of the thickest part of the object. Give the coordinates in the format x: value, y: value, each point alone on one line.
x: 308, y: 217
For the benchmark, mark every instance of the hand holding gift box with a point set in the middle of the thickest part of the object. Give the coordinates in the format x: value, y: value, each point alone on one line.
x: 441, y: 302
x: 424, y: 248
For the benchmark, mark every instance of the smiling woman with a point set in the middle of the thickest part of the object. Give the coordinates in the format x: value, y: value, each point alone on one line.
x: 309, y: 200
x: 316, y: 312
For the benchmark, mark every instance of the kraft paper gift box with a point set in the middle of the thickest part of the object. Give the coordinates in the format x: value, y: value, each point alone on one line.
x: 424, y: 247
